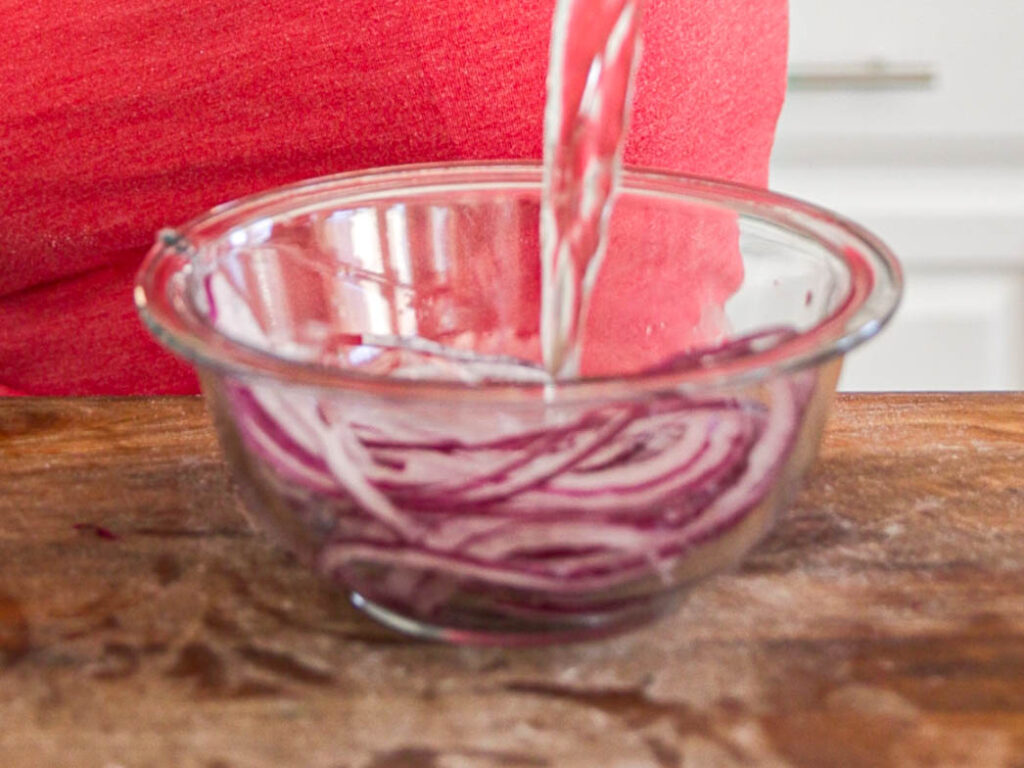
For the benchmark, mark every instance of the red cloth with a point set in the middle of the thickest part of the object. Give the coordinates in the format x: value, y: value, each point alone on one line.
x: 117, y: 118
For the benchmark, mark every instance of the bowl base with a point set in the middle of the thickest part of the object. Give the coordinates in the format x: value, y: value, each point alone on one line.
x: 593, y: 626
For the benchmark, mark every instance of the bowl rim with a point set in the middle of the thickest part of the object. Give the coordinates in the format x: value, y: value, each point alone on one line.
x: 876, y: 283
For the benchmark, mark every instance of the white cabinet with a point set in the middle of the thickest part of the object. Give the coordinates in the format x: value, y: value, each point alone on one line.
x: 913, y: 78
x: 955, y: 331
x: 909, y: 118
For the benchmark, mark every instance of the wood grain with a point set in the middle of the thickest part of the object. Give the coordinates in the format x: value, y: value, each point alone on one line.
x: 142, y: 623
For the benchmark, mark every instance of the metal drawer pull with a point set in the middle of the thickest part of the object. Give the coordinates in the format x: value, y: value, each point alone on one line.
x: 872, y: 75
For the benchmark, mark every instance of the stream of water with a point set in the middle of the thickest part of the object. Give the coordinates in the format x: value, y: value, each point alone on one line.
x: 595, y: 47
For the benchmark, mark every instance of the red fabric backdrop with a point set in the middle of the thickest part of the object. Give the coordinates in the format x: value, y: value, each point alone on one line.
x: 117, y: 118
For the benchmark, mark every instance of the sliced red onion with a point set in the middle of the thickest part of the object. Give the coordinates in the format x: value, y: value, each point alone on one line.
x: 530, y: 498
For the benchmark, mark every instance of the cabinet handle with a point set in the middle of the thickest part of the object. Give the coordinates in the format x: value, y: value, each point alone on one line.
x: 871, y: 75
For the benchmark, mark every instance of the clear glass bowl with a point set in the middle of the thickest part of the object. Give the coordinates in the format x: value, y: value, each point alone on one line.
x: 466, y: 498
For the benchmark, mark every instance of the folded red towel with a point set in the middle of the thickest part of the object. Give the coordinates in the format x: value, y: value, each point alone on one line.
x: 119, y: 118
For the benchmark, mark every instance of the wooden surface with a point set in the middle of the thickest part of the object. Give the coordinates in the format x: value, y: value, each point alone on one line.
x: 143, y: 624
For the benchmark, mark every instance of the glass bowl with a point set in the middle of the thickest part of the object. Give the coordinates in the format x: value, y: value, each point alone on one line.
x: 367, y: 344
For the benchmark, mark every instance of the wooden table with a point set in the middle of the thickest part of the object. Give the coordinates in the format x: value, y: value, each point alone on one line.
x: 143, y: 624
